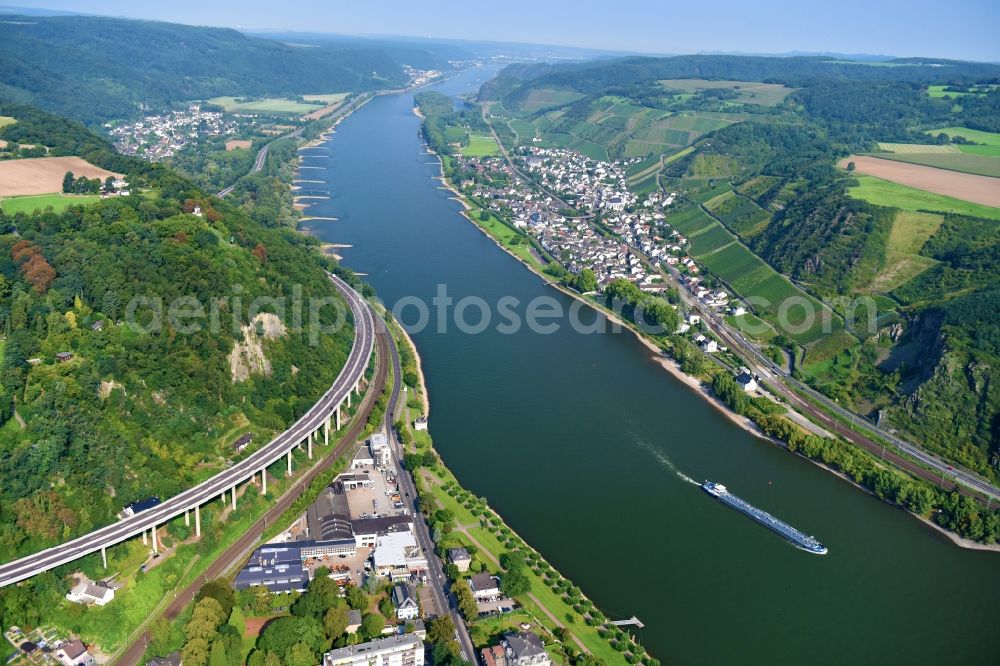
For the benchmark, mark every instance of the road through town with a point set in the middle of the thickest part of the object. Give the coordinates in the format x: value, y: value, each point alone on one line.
x: 436, y: 578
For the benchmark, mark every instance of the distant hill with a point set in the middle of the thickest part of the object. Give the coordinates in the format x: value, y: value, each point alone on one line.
x: 591, y: 77
x: 95, y: 69
x: 419, y: 53
x: 750, y: 145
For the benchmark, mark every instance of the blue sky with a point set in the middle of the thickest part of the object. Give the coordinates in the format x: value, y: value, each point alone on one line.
x: 957, y: 29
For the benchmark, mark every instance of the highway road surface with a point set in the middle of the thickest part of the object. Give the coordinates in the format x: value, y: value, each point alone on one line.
x: 436, y: 578
x: 239, y: 550
x: 314, y: 419
x: 258, y: 163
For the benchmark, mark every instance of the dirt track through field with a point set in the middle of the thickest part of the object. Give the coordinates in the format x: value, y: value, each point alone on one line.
x: 43, y: 175
x: 965, y: 186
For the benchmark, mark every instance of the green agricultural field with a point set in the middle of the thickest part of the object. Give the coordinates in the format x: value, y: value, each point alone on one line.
x: 740, y: 215
x: 766, y: 283
x: 274, y: 105
x: 328, y: 99
x: 983, y: 165
x: 481, y: 145
x: 987, y: 138
x: 643, y: 168
x: 7, y: 120
x: 764, y: 94
x: 750, y: 277
x: 690, y: 221
x: 733, y: 263
x: 710, y: 239
x: 917, y: 148
x: 524, y: 130
x: 58, y: 202
x: 885, y: 193
x: 758, y: 329
x: 643, y: 176
x: 453, y: 134
x: 903, y: 262
x: 648, y: 183
x: 989, y: 151
x: 701, y: 196
x: 592, y: 150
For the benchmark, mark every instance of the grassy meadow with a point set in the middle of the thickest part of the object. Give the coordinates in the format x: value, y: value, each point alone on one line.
x: 331, y: 98
x: 481, y: 145
x: 58, y: 202
x: 977, y: 136
x: 903, y: 262
x: 272, y: 105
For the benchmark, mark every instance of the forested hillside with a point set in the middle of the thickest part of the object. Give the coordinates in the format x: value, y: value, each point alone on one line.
x: 753, y: 143
x: 161, y: 395
x: 95, y: 69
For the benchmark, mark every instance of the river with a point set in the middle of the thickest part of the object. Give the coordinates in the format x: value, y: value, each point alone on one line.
x: 587, y: 447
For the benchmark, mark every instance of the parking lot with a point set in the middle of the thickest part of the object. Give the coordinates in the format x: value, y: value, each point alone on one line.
x: 366, y: 502
x: 496, y: 606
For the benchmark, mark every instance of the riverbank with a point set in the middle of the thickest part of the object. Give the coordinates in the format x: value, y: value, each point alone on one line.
x: 425, y: 400
x: 668, y: 364
x: 696, y: 384
x: 570, y: 434
x: 552, y: 603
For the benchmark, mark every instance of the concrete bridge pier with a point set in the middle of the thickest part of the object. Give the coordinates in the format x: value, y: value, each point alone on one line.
x: 326, y: 432
x: 263, y: 481
x: 152, y: 533
x: 338, y: 418
x: 187, y: 518
x: 234, y: 497
x: 144, y: 541
x: 289, y: 472
x: 104, y: 557
x: 309, y: 445
x: 348, y: 398
x: 197, y: 521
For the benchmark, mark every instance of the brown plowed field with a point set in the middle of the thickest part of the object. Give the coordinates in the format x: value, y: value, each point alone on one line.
x: 43, y: 175
x: 965, y: 186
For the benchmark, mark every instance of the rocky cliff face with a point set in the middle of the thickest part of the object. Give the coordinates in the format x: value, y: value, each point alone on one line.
x: 950, y: 402
x: 248, y: 357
